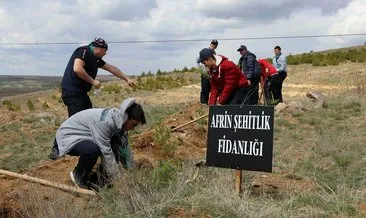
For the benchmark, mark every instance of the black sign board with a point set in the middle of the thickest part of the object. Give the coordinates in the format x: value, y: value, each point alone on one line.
x: 240, y: 137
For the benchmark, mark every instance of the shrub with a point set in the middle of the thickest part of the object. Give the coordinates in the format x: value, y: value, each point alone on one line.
x: 45, y: 105
x: 185, y: 69
x: 113, y: 88
x: 30, y: 105
x: 10, y: 106
x: 163, y: 174
x: 162, y: 135
x: 324, y: 59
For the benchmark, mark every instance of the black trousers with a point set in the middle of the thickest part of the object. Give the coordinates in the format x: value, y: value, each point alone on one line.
x: 237, y: 97
x: 273, y: 88
x: 205, y: 89
x: 253, y: 95
x: 88, y: 153
x: 76, y: 102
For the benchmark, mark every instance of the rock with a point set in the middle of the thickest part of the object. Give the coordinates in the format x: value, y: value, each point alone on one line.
x: 43, y: 115
x: 315, y: 95
x: 296, y: 106
x: 97, y: 92
x: 318, y: 98
x: 321, y: 104
x: 280, y: 108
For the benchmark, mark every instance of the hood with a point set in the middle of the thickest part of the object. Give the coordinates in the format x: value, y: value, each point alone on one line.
x: 219, y: 59
x: 119, y: 116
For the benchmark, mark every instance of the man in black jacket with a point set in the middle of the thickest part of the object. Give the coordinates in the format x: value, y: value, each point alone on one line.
x: 252, y: 70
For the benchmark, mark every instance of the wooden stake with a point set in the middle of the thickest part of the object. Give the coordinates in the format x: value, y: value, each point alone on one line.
x: 186, y: 124
x: 238, y: 178
x: 49, y: 183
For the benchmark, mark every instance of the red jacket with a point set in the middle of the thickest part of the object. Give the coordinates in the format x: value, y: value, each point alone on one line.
x: 225, y: 79
x: 267, y: 68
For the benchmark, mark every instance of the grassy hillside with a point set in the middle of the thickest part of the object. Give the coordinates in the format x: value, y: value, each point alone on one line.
x: 319, y: 167
x: 330, y: 57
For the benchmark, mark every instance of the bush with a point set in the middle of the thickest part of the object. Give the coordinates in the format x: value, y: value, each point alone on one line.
x: 10, y: 106
x: 162, y: 135
x: 325, y: 59
x: 45, y: 105
x: 163, y: 174
x: 113, y: 88
x: 30, y: 105
x: 185, y: 69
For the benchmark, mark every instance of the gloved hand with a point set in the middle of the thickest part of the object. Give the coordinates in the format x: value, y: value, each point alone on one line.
x: 122, y: 150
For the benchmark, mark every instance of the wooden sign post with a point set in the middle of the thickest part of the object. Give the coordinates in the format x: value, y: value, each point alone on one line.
x: 238, y: 182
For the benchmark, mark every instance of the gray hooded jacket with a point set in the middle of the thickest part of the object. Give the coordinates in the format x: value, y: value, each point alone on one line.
x: 90, y: 125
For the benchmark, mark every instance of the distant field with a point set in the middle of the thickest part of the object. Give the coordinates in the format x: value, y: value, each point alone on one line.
x: 16, y: 85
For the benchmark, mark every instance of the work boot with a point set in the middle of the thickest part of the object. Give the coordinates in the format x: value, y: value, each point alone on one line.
x: 54, y: 154
x: 77, y: 181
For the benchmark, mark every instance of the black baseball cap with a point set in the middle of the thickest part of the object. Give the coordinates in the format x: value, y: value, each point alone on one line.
x: 100, y: 43
x: 242, y: 47
x: 205, y: 54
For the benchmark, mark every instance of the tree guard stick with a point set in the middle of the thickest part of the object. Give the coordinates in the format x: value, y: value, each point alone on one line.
x: 186, y: 124
x: 48, y: 183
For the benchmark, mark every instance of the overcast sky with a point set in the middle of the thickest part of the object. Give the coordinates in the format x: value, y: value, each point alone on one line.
x: 24, y: 21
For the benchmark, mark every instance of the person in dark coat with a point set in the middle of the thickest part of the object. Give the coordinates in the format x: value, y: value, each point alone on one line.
x: 252, y: 70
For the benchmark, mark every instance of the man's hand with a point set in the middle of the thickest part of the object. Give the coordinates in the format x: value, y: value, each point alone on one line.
x: 96, y: 84
x: 131, y: 83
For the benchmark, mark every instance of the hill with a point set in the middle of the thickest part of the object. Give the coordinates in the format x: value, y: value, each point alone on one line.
x: 330, y: 57
x: 16, y: 85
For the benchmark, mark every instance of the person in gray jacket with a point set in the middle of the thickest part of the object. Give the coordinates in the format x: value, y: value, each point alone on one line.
x: 88, y: 134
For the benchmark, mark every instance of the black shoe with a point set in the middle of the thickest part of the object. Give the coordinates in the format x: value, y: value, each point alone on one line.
x: 54, y: 154
x: 77, y: 182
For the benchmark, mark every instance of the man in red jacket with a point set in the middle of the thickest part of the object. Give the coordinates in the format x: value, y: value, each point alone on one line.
x: 228, y: 83
x: 270, y: 82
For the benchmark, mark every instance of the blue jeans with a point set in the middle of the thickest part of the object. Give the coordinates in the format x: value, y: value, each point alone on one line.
x: 88, y: 153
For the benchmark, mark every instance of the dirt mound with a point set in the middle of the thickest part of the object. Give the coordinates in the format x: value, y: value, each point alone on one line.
x: 17, y: 194
x: 190, y: 140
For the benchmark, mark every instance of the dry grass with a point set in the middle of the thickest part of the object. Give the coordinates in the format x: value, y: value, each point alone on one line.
x: 319, y: 159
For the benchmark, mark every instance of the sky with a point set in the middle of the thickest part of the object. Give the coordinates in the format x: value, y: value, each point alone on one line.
x: 80, y: 21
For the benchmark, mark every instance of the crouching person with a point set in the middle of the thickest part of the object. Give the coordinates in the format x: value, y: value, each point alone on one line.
x: 229, y: 86
x: 99, y: 132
